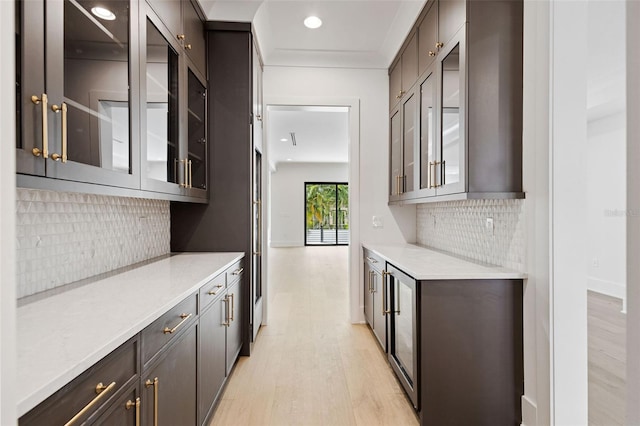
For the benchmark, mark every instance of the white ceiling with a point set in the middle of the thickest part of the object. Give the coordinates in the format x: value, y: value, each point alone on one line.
x: 354, y: 34
x: 322, y: 134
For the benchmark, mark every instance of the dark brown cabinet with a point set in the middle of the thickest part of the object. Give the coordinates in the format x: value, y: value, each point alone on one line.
x: 212, y: 356
x: 78, y: 85
x: 87, y: 397
x: 466, y: 142
x: 101, y: 100
x: 403, y: 73
x: 169, y: 387
x: 234, y: 323
x: 471, y: 362
x: 184, y: 21
x: 375, y: 293
x: 126, y: 411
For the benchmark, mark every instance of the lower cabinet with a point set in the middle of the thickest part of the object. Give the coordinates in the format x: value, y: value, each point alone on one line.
x: 169, y: 374
x: 169, y: 387
x: 234, y: 327
x: 125, y: 411
x: 212, y: 355
x: 375, y: 297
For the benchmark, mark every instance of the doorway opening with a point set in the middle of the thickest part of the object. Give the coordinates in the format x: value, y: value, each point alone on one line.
x: 326, y: 214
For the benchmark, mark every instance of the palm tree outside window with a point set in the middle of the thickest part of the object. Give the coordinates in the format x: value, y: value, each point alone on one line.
x: 326, y: 213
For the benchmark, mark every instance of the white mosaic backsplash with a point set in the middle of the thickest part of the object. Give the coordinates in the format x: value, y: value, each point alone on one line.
x: 459, y: 227
x: 64, y: 237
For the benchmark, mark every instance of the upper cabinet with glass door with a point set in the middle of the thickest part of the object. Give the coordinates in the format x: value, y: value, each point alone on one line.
x: 77, y: 116
x: 174, y: 94
x: 469, y: 96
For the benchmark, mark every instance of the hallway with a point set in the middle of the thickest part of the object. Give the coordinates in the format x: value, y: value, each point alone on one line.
x: 310, y: 366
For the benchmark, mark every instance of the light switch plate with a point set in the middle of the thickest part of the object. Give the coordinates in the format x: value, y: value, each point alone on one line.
x: 377, y: 222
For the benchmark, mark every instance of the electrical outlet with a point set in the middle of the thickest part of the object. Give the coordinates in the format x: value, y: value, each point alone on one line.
x: 489, y: 226
x: 377, y: 222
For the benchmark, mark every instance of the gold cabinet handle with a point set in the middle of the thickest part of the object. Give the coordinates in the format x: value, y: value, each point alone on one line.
x: 259, y: 117
x: 439, y: 45
x: 226, y: 311
x: 213, y: 293
x: 181, y: 36
x: 183, y: 184
x: 102, y: 391
x: 184, y: 317
x: 45, y: 128
x: 233, y: 305
x: 371, y: 282
x: 237, y: 271
x: 432, y: 53
x: 187, y: 46
x: 155, y: 384
x: 384, y: 291
x: 61, y: 108
x: 130, y: 404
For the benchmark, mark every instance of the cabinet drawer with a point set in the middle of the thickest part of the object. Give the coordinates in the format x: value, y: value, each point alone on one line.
x: 234, y: 273
x: 374, y: 261
x: 212, y: 290
x: 158, y: 334
x: 80, y: 397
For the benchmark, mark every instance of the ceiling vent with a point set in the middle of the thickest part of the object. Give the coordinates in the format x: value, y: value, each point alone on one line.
x: 293, y: 139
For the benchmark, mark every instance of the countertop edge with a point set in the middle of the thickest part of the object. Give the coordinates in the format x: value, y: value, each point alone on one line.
x: 46, y: 390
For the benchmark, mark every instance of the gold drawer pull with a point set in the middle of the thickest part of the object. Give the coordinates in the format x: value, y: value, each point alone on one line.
x: 102, y: 391
x: 384, y: 291
x: 213, y: 293
x: 226, y: 311
x: 130, y: 404
x: 238, y: 271
x: 233, y: 303
x: 45, y: 130
x: 184, y: 317
x: 61, y: 108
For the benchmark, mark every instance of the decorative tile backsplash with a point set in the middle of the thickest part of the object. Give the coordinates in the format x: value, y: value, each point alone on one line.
x: 64, y: 237
x: 460, y: 227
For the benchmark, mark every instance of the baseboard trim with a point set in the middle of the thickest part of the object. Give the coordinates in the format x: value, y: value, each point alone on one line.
x: 529, y: 412
x: 608, y: 288
x: 279, y: 244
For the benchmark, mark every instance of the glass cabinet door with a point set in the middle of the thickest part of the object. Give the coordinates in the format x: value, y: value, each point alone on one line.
x: 162, y: 154
x: 396, y: 155
x: 428, y: 134
x: 451, y: 158
x: 409, y: 120
x: 89, y: 69
x: 196, y: 138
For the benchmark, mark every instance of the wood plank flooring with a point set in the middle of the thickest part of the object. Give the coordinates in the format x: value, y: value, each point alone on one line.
x: 607, y: 360
x: 310, y: 365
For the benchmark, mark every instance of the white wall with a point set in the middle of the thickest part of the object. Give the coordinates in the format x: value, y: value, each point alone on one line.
x: 7, y: 221
x: 606, y: 148
x: 287, y: 198
x: 369, y: 169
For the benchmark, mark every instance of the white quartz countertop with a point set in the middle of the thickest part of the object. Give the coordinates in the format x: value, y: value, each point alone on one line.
x: 61, y: 336
x: 425, y: 264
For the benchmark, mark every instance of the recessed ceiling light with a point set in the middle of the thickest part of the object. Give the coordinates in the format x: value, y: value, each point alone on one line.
x: 284, y: 140
x: 289, y: 159
x: 312, y: 22
x: 103, y: 13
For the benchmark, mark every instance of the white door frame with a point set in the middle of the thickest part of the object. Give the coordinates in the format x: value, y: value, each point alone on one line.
x: 354, y: 187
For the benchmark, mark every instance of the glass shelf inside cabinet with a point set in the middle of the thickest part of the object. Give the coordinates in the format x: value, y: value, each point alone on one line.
x: 197, y: 139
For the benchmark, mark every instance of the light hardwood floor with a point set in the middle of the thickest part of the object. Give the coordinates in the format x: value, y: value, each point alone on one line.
x: 310, y: 365
x: 607, y: 360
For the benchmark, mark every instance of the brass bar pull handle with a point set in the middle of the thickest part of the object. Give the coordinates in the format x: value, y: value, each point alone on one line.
x: 238, y: 271
x: 226, y: 311
x: 61, y: 108
x: 187, y: 46
x: 102, y: 392
x: 45, y: 126
x: 184, y: 317
x: 181, y: 36
x: 190, y: 175
x: 233, y: 306
x: 439, y: 45
x: 384, y: 291
x: 185, y: 181
x: 213, y: 293
x: 154, y: 383
x: 432, y: 53
x: 130, y: 404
